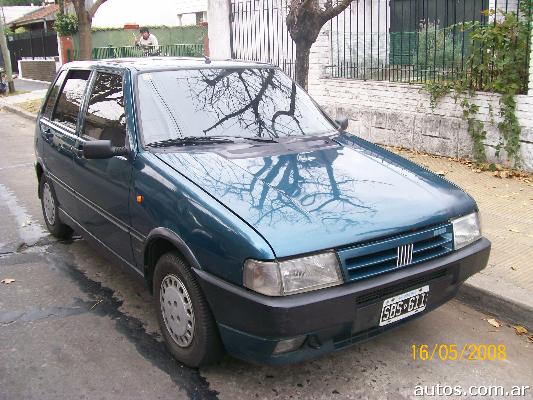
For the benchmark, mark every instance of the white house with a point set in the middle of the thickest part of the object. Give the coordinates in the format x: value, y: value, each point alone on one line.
x: 191, y: 12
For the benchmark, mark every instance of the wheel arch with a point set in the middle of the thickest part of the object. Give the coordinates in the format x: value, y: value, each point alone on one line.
x: 39, y: 171
x: 159, y: 242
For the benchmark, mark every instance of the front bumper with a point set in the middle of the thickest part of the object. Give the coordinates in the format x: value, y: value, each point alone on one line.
x: 252, y: 324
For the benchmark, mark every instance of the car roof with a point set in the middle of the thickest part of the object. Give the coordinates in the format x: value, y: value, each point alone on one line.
x: 166, y: 63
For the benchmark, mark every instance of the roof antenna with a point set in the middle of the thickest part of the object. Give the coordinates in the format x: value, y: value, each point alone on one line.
x: 207, y: 59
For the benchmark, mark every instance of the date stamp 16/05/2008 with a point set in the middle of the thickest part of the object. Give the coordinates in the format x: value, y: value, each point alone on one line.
x: 456, y: 352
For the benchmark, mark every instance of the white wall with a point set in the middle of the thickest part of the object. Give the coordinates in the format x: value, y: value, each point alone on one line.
x: 219, y: 29
x: 190, y: 6
x: 187, y: 10
x: 116, y: 13
x: 370, y: 22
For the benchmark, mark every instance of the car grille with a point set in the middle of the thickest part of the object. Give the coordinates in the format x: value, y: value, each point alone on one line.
x: 389, y: 254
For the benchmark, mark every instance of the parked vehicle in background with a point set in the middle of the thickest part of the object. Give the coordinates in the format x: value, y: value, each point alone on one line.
x: 261, y: 226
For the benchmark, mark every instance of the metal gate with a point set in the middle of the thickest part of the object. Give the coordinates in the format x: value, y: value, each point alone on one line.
x: 31, y: 44
x: 259, y: 33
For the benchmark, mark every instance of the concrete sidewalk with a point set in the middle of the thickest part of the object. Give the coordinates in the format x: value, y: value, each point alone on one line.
x: 15, y: 102
x: 505, y: 287
x: 29, y: 85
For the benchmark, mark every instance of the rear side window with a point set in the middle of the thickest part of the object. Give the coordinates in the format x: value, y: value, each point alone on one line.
x: 70, y: 98
x: 52, y: 95
x: 106, y: 119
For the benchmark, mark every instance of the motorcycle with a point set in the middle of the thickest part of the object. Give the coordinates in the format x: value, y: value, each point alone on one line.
x: 3, y: 86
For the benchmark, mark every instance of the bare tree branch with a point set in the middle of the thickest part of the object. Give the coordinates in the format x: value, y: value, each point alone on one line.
x: 330, y: 11
x: 95, y: 7
x: 251, y: 104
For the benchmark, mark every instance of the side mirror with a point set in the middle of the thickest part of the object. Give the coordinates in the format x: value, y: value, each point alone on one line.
x: 342, y: 122
x: 102, y: 149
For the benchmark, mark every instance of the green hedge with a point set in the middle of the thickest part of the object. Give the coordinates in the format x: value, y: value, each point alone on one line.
x: 119, y: 37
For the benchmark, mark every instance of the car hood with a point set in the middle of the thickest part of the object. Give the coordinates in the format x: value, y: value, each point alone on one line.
x: 321, y: 195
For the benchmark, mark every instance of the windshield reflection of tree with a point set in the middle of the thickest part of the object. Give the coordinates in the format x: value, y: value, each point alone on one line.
x: 307, y: 188
x: 249, y: 98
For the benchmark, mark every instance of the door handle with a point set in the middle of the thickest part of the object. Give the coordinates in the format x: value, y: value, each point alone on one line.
x: 48, y: 134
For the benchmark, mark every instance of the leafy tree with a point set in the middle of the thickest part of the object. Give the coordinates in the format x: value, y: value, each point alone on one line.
x: 304, y: 22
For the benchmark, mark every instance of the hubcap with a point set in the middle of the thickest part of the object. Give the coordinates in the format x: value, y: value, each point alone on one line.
x: 177, y: 311
x: 49, y: 204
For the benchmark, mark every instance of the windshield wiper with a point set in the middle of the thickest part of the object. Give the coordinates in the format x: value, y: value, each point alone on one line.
x: 259, y: 139
x: 189, y: 141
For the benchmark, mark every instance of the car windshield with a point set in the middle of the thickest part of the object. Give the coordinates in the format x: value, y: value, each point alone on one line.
x: 248, y: 103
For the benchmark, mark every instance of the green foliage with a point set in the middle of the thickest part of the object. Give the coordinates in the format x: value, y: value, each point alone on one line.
x: 17, y: 2
x: 437, y: 48
x: 497, y: 62
x: 153, y: 27
x: 7, y: 30
x: 476, y: 128
x: 66, y: 24
x: 437, y: 90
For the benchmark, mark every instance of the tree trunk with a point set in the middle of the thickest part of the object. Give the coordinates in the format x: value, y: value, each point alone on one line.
x: 303, y: 49
x: 304, y: 22
x: 86, y: 39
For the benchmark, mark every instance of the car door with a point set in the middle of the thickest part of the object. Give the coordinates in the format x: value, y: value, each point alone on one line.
x: 104, y: 185
x: 58, y: 126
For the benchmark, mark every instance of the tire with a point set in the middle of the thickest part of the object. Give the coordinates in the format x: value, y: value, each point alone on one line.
x: 185, y: 319
x: 50, y: 211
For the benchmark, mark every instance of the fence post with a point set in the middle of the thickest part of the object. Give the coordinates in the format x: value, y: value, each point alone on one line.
x: 31, y: 46
x: 42, y: 44
x: 218, y: 15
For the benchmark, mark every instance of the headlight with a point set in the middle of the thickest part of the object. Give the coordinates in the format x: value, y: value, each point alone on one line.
x: 466, y: 230
x: 292, y: 276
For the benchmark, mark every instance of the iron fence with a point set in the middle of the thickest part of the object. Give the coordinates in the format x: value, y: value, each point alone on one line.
x: 392, y: 40
x: 259, y: 33
x: 31, y: 44
x: 409, y: 40
x: 167, y: 50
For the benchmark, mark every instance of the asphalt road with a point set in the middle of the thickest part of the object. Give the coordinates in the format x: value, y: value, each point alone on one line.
x: 74, y: 326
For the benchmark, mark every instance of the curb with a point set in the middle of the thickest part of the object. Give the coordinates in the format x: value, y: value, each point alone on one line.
x: 33, y: 80
x: 19, y: 111
x: 489, y: 302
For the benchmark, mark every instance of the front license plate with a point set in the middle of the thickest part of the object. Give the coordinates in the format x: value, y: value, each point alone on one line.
x: 404, y: 305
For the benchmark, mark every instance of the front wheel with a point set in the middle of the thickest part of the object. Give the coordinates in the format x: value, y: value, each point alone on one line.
x: 50, y: 211
x: 185, y: 319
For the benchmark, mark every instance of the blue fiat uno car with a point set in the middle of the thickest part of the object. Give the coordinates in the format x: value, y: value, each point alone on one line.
x: 262, y: 227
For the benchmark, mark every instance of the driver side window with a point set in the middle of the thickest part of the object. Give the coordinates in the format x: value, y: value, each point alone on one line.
x: 106, y: 118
